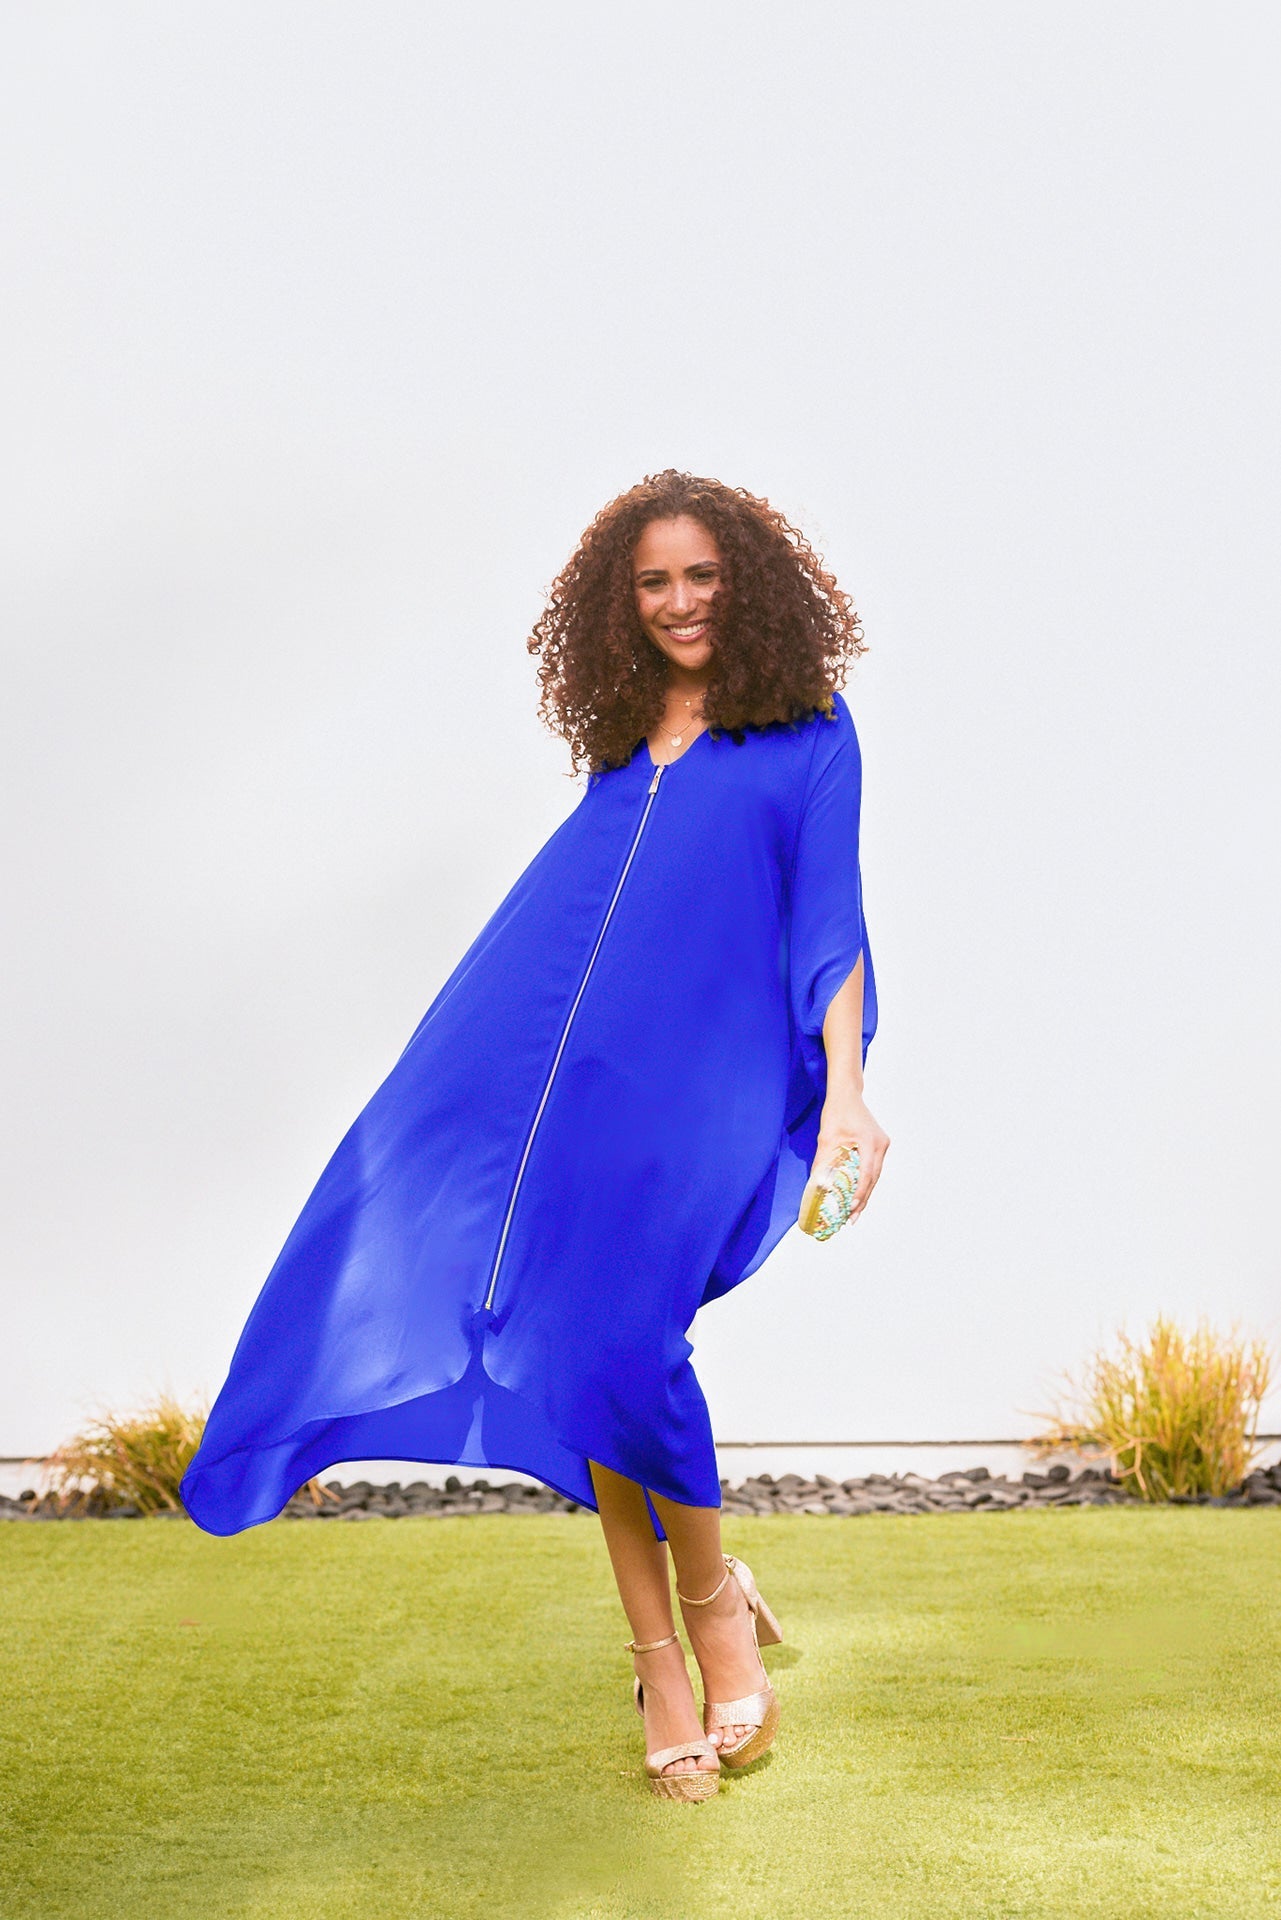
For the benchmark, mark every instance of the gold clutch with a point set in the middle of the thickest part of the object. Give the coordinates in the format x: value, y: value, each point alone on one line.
x: 829, y: 1197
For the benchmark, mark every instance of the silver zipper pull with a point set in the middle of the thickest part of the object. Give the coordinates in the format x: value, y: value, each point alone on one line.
x: 653, y: 785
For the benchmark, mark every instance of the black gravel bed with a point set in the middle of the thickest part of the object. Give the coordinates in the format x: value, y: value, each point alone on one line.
x: 971, y: 1490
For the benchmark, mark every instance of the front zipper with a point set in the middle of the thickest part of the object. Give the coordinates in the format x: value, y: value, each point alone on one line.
x: 569, y: 1021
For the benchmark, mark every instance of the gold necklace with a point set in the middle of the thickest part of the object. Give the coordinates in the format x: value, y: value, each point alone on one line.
x: 676, y: 738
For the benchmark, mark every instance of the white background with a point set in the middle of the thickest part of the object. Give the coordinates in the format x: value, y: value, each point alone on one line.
x: 327, y: 328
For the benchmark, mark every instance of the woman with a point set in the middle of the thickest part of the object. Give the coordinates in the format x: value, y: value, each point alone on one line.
x: 607, y: 1116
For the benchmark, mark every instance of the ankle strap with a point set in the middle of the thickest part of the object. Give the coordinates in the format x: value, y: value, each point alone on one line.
x: 648, y: 1646
x: 711, y: 1596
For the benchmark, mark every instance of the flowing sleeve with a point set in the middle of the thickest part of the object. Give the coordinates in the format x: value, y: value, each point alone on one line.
x: 824, y: 936
x: 827, y: 930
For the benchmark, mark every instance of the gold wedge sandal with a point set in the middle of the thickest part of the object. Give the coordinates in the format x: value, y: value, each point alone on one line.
x: 759, y: 1711
x: 695, y: 1785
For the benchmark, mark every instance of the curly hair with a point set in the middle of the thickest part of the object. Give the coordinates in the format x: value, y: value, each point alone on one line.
x: 784, y: 629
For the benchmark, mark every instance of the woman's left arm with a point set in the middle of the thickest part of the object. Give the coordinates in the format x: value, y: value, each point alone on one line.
x: 845, y: 1120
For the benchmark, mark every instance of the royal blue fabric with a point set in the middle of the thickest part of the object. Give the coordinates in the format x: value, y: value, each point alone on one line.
x: 667, y: 1057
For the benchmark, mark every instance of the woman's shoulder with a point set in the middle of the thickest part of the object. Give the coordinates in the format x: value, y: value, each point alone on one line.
x: 840, y: 721
x: 821, y: 727
x: 834, y: 754
x: 833, y: 729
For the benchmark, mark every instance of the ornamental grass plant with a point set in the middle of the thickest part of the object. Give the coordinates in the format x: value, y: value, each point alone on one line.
x: 1177, y: 1412
x: 129, y: 1460
x: 135, y: 1460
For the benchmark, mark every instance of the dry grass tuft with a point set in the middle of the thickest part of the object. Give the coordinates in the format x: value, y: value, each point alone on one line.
x: 136, y: 1459
x: 1177, y: 1413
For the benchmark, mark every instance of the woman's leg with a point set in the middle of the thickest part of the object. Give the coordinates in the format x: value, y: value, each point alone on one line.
x: 644, y: 1585
x: 721, y: 1633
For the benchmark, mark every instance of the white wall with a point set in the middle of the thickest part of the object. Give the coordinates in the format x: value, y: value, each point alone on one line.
x: 325, y: 331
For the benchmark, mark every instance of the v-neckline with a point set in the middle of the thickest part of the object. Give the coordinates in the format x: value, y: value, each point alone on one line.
x: 655, y: 764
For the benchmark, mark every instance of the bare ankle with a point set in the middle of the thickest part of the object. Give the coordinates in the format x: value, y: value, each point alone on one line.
x: 704, y: 1587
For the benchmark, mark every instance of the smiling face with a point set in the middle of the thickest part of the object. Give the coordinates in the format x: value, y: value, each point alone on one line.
x: 676, y: 570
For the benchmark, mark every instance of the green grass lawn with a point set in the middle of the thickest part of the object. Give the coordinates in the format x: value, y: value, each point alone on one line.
x: 1040, y: 1714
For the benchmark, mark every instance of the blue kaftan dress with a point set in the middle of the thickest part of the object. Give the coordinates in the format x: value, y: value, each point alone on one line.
x: 604, y: 1120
